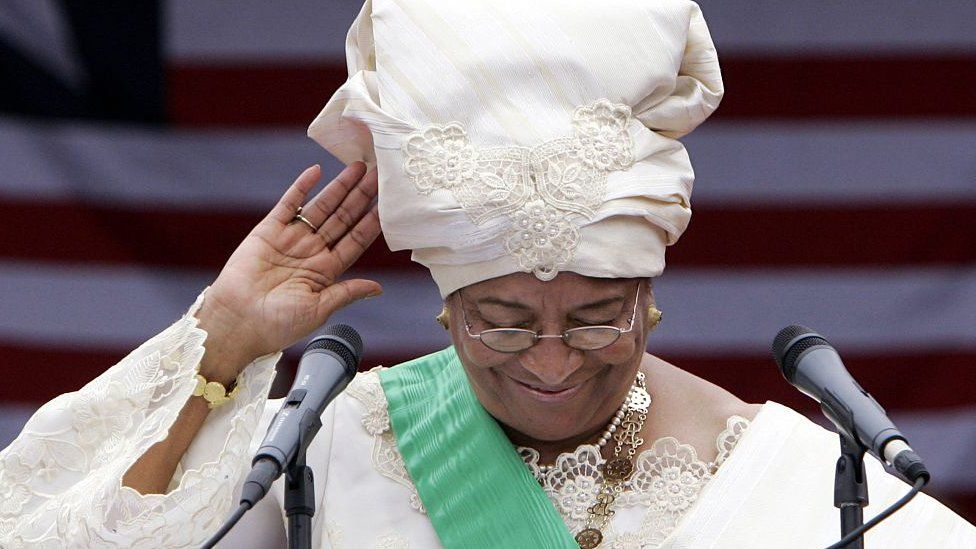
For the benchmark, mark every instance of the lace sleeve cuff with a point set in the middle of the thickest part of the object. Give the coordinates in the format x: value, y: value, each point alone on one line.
x: 60, y: 480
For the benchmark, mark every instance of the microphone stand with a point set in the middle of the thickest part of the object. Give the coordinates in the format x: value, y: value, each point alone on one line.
x: 851, y: 488
x: 299, y: 502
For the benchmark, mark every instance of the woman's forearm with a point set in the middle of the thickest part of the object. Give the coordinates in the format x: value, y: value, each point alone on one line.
x: 152, y: 472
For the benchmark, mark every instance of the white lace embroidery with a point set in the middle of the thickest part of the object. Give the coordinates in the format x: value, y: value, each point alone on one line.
x: 386, y: 456
x: 543, y: 190
x: 334, y: 532
x: 385, y: 541
x: 392, y: 541
x: 60, y: 480
x: 666, y: 482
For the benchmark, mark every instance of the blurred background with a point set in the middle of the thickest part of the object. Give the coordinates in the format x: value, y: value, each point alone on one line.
x: 836, y: 187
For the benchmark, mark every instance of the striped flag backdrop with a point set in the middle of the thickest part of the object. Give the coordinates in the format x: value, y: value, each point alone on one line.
x: 836, y: 187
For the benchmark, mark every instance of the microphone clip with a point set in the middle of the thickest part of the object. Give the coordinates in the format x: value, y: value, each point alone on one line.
x: 851, y: 487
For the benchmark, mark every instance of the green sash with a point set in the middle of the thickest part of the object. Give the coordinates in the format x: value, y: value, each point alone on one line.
x: 476, y: 489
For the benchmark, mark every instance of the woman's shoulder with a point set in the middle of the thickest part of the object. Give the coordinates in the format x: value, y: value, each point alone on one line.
x: 689, y: 408
x: 685, y: 388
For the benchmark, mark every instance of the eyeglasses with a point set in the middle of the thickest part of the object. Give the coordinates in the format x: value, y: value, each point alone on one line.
x: 584, y: 338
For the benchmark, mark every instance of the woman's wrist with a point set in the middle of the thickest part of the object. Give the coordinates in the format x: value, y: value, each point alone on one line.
x: 224, y: 357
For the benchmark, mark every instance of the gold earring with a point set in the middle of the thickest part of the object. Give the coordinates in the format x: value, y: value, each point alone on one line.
x: 443, y: 318
x: 654, y: 316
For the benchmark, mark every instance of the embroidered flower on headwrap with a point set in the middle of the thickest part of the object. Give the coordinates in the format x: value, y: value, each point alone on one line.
x: 541, y: 239
x: 601, y: 140
x: 440, y: 158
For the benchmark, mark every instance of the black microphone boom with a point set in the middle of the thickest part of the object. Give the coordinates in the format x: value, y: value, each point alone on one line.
x: 327, y: 365
x: 813, y: 366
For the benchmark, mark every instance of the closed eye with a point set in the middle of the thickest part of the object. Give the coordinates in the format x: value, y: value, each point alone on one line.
x: 496, y: 326
x: 582, y: 322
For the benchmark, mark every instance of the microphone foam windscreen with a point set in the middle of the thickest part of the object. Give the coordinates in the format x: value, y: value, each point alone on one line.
x: 342, y: 340
x: 786, y: 353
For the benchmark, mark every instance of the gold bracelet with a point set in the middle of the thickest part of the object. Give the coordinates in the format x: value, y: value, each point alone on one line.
x: 213, y: 392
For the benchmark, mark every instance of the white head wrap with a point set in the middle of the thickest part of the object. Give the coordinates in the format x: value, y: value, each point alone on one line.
x: 516, y: 135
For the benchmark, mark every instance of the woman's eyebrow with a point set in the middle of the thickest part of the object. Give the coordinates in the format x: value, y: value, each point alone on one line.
x: 600, y: 304
x: 502, y: 302
x: 521, y: 306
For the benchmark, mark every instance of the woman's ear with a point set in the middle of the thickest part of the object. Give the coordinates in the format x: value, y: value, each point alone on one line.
x: 444, y: 318
x: 654, y: 316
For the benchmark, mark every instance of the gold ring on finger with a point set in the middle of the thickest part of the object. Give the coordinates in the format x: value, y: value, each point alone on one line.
x: 303, y: 219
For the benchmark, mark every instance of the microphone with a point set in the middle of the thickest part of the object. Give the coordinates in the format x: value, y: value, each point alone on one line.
x: 813, y: 366
x: 327, y: 365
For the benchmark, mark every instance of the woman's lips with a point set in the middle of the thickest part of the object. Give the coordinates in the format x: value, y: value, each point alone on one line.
x: 547, y: 394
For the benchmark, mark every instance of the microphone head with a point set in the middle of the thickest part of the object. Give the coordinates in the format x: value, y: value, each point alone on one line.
x: 342, y: 340
x: 789, y: 343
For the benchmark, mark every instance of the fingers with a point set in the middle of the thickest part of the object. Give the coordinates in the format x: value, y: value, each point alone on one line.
x: 344, y: 293
x: 335, y: 193
x: 286, y: 208
x: 355, y: 204
x: 351, y: 246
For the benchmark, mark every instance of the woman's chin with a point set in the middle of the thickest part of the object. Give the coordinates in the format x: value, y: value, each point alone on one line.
x: 529, y: 433
x: 549, y: 420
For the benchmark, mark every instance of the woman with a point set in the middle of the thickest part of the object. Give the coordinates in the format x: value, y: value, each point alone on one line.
x: 527, y: 154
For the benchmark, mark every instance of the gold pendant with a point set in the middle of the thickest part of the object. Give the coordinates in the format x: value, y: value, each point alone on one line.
x: 618, y: 469
x: 589, y: 538
x: 638, y: 399
x: 602, y: 506
x: 629, y: 432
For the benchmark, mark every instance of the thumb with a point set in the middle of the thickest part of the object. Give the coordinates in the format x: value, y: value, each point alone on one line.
x: 346, y: 292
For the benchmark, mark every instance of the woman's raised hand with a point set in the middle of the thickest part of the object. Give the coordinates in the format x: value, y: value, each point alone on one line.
x: 282, y: 282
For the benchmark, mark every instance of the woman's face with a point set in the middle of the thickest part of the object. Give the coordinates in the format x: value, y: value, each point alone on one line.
x: 551, y: 392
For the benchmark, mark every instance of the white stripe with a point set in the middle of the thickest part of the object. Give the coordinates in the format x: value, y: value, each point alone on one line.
x: 887, y: 310
x: 154, y: 168
x: 706, y: 312
x: 945, y: 439
x: 255, y: 29
x: 735, y: 163
x: 849, y: 28
x: 840, y: 163
x: 12, y: 420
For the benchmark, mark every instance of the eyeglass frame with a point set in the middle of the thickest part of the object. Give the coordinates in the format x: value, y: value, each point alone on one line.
x: 537, y: 336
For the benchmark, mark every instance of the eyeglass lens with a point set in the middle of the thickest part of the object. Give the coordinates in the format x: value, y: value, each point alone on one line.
x: 587, y: 338
x: 591, y: 337
x: 508, y: 341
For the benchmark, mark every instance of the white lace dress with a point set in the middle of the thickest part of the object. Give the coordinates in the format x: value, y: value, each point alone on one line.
x: 60, y: 479
x: 666, y: 482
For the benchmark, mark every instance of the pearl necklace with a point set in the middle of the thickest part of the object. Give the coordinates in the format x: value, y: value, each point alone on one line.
x: 637, y: 398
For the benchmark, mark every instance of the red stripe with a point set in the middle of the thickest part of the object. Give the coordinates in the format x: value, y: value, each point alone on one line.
x: 87, y: 233
x: 249, y: 94
x: 758, y: 87
x: 837, y: 236
x: 849, y: 86
x: 828, y: 236
x: 964, y: 504
x: 901, y: 382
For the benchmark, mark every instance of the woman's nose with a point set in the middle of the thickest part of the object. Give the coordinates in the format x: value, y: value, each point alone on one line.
x: 552, y: 361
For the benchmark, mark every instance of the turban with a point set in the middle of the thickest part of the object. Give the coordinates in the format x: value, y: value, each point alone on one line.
x: 526, y: 136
